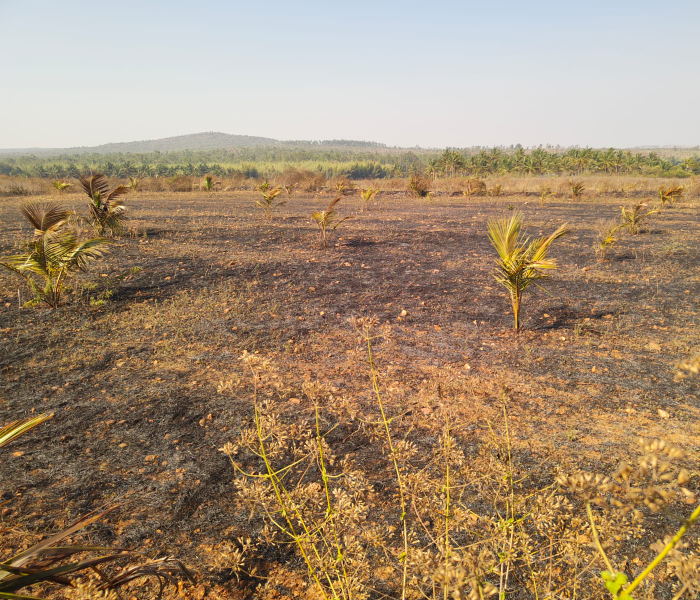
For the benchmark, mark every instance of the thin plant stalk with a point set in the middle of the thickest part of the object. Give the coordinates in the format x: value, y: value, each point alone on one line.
x: 402, y: 493
x: 625, y: 595
x: 596, y: 539
x: 447, y: 442
x: 340, y: 558
x: 272, y: 477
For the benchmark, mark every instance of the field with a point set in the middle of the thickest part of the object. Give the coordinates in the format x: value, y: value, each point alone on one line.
x: 206, y: 308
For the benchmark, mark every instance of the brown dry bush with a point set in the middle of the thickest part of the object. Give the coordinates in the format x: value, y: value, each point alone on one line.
x: 693, y: 188
x: 474, y: 187
x: 152, y: 184
x: 22, y: 186
x: 419, y: 186
x: 180, y: 183
x: 392, y: 185
x: 445, y: 513
x: 303, y: 179
x: 449, y: 186
x: 233, y: 183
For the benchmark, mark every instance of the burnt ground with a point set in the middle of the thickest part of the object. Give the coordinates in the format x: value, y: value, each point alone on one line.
x: 147, y: 386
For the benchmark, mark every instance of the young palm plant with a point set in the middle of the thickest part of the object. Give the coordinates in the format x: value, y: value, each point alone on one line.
x: 134, y: 184
x: 60, y: 185
x: 269, y: 194
x: 670, y: 195
x: 632, y: 217
x: 577, y: 189
x: 607, y: 237
x: 344, y: 186
x: 521, y: 262
x: 367, y: 196
x: 496, y: 190
x: 545, y: 193
x: 54, y: 255
x: 209, y: 183
x: 107, y: 211
x: 327, y: 220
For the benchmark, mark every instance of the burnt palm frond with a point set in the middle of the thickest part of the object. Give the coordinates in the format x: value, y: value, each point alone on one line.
x: 107, y: 211
x: 45, y: 216
x: 94, y: 186
x: 165, y: 570
x: 670, y: 195
x: 120, y: 190
x: 49, y: 562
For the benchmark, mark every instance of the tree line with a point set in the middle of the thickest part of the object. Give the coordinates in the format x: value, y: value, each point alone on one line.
x: 268, y: 162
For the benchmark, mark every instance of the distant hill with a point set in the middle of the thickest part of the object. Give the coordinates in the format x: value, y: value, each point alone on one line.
x: 210, y: 140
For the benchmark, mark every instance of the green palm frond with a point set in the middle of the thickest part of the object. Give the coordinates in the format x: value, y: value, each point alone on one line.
x: 368, y: 195
x: 632, y: 217
x: 60, y: 185
x: 607, y: 237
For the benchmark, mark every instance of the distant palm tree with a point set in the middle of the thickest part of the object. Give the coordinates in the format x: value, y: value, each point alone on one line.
x: 434, y: 168
x: 451, y: 161
x: 691, y: 165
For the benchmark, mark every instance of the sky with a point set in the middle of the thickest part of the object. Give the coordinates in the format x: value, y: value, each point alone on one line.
x: 435, y: 74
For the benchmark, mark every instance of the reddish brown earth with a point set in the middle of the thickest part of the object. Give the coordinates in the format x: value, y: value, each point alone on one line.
x: 147, y: 387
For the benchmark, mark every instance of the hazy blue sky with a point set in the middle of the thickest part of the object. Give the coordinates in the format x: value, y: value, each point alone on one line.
x: 614, y: 73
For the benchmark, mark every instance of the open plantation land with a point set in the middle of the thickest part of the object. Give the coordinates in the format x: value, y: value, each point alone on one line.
x: 145, y: 368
